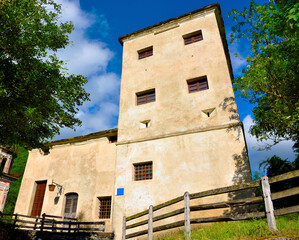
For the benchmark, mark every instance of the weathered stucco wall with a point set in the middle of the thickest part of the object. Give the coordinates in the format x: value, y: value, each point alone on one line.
x: 86, y: 168
x: 190, y: 151
x: 168, y: 70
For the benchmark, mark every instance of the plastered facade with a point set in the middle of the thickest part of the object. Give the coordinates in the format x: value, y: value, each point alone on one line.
x: 6, y: 160
x: 189, y: 150
x: 86, y: 168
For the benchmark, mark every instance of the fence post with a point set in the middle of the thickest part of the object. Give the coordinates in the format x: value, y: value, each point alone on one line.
x: 42, y: 222
x: 124, y: 229
x: 150, y: 223
x: 15, y: 221
x: 268, y: 204
x: 53, y: 226
x: 69, y: 226
x: 35, y: 224
x: 187, y: 216
x: 78, y: 227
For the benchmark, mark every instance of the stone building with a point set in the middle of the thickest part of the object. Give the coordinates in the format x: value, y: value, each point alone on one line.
x: 6, y: 161
x: 178, y: 130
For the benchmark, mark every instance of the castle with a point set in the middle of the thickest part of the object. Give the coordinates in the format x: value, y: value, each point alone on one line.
x: 178, y: 130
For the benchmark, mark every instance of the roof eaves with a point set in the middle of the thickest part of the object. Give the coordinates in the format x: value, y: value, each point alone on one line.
x: 105, y: 133
x: 215, y: 5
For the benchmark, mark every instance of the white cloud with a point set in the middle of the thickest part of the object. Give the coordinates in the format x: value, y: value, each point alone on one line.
x: 256, y: 156
x: 101, y: 88
x: 83, y: 56
x: 72, y: 12
x: 90, y: 58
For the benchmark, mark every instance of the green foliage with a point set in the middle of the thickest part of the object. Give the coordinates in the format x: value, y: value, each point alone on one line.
x: 276, y: 166
x: 249, y: 229
x: 270, y: 79
x: 37, y: 96
x: 17, y: 167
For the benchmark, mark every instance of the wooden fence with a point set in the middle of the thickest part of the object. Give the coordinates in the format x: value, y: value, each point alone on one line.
x: 266, y: 199
x: 51, y: 223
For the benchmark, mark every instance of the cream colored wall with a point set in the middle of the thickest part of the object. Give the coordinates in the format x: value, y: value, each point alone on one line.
x: 190, y: 151
x: 191, y: 162
x: 86, y: 168
x: 171, y: 65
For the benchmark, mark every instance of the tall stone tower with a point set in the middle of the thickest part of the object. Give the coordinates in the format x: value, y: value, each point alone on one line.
x: 179, y: 128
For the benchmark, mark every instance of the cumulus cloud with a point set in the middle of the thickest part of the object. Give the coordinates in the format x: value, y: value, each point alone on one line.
x: 90, y: 58
x: 83, y: 56
x: 256, y: 156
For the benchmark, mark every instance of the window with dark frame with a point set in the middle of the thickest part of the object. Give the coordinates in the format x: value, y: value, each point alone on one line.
x: 197, y: 84
x: 71, y: 201
x: 195, y: 37
x: 143, y: 171
x: 105, y: 207
x: 147, y: 52
x: 146, y: 97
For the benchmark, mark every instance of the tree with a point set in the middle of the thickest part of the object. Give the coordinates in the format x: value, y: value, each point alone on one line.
x: 276, y: 166
x: 270, y: 80
x: 37, y: 95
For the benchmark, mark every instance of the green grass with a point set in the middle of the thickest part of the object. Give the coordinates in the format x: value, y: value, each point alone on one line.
x: 18, y: 167
x: 288, y: 226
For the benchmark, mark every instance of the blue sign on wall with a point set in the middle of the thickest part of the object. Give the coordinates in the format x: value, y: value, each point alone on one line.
x: 120, y: 191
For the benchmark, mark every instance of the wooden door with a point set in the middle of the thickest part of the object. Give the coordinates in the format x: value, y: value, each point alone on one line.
x: 38, y: 198
x: 71, y: 205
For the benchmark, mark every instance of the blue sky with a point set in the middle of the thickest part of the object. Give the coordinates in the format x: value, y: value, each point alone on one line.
x: 96, y: 53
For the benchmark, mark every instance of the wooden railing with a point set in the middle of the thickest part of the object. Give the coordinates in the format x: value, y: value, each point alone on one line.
x: 51, y: 223
x: 267, y: 198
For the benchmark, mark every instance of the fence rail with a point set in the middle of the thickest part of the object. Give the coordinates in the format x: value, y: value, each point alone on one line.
x: 267, y: 198
x: 49, y: 223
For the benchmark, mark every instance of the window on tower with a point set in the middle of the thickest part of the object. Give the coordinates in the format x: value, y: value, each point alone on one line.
x: 146, y: 52
x: 143, y: 171
x: 146, y: 96
x: 197, y: 84
x: 192, y: 37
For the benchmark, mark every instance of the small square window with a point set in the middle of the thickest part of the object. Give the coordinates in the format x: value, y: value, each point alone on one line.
x: 143, y: 171
x: 197, y: 84
x: 112, y: 139
x: 146, y: 97
x: 193, y: 37
x: 105, y: 207
x: 146, y: 52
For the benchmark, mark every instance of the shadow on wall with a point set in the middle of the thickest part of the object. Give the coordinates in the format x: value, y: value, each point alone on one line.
x: 242, y: 174
x: 229, y: 105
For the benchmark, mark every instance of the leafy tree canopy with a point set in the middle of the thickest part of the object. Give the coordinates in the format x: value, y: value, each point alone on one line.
x: 270, y: 79
x: 37, y: 96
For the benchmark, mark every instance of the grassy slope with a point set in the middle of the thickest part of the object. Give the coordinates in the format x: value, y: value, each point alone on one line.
x: 288, y: 226
x: 17, y: 167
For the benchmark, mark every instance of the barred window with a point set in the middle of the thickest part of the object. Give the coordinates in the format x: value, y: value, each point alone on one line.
x: 197, y: 84
x: 105, y: 207
x: 143, y: 171
x: 194, y: 37
x: 146, y: 97
x: 146, y: 52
